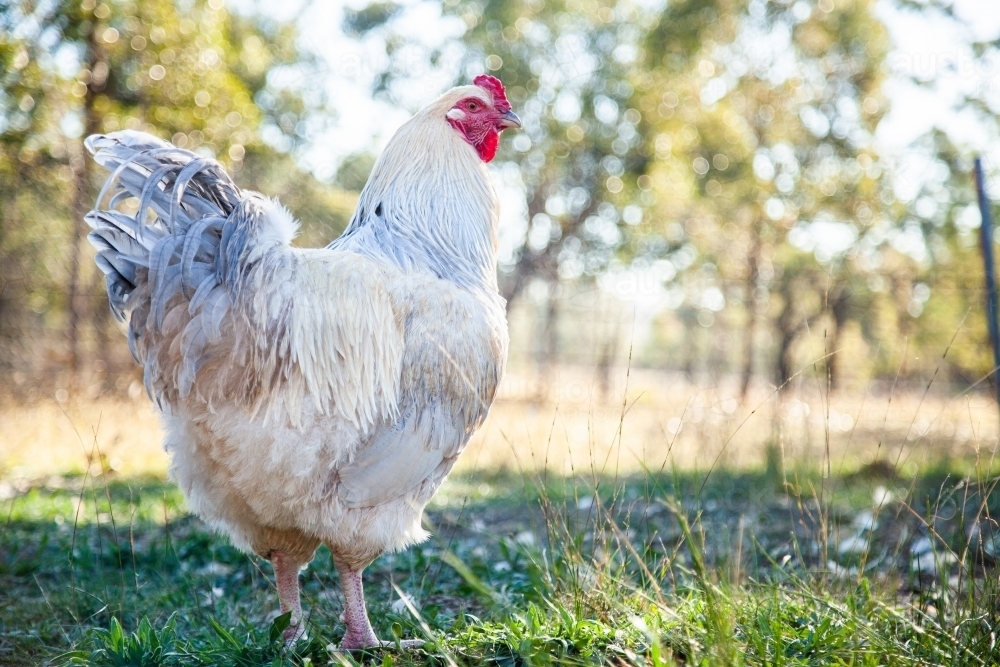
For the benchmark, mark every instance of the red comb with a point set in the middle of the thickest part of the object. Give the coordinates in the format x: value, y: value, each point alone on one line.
x: 492, y: 84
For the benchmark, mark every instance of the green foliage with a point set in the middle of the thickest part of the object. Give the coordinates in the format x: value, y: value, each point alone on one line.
x: 352, y: 174
x: 780, y: 145
x: 357, y: 22
x: 567, y: 70
x: 149, y: 647
x: 646, y: 576
x: 146, y: 647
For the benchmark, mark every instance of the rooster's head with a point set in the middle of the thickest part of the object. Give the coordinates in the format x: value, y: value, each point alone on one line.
x: 482, y: 115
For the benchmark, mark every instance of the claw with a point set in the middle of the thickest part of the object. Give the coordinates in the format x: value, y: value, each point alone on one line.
x: 294, y: 633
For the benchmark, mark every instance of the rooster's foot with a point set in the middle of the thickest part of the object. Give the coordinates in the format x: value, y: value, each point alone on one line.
x: 358, y: 644
x: 293, y: 633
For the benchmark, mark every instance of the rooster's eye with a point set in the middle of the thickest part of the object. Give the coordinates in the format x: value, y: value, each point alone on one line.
x: 472, y: 106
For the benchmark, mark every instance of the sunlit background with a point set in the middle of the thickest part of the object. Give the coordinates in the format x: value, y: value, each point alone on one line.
x: 747, y: 226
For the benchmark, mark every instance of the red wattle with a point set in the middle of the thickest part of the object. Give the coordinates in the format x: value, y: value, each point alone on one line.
x: 487, y: 148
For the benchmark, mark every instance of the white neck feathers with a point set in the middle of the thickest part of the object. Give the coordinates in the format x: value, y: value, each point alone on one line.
x: 429, y: 202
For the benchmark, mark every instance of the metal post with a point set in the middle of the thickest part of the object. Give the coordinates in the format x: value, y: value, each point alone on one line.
x: 986, y: 236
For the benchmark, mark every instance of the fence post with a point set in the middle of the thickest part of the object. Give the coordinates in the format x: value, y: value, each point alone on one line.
x: 986, y: 236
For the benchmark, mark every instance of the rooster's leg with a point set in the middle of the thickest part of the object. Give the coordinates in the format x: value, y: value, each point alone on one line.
x: 286, y: 571
x: 360, y: 633
x: 359, y: 630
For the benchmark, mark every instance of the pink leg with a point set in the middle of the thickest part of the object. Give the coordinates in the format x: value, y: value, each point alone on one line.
x: 286, y: 571
x: 359, y: 630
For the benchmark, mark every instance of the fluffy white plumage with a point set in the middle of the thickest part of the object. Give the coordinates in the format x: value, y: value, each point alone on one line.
x: 310, y: 395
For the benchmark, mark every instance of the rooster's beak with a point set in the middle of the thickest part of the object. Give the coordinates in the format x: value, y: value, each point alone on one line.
x: 509, y: 119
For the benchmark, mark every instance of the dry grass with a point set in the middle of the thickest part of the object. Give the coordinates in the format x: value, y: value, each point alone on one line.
x: 668, y: 421
x: 567, y: 427
x: 49, y: 438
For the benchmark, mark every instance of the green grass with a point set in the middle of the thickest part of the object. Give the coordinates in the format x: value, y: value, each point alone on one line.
x: 746, y: 568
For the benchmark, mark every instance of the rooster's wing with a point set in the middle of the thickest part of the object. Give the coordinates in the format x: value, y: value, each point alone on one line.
x: 402, y: 456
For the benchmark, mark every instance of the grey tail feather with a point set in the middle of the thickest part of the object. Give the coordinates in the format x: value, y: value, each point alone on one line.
x: 183, y: 241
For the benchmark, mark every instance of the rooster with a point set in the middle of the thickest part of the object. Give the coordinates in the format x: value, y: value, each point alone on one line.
x: 314, y: 396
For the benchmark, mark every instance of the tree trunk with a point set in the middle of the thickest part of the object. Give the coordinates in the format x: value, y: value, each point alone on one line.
x: 753, y: 261
x: 788, y: 325
x: 529, y: 264
x: 546, y: 349
x: 97, y: 67
x: 549, y: 344
x: 785, y: 360
x: 607, y: 350
x: 100, y: 314
x: 840, y: 307
x: 689, y: 317
x: 544, y: 263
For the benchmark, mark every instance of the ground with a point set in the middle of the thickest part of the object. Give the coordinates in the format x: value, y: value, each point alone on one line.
x: 776, y: 566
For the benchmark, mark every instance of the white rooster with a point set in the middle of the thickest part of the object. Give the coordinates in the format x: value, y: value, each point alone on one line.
x: 314, y: 395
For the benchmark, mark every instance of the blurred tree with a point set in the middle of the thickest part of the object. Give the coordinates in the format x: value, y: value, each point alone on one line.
x: 567, y: 66
x: 190, y: 72
x: 939, y: 300
x: 761, y: 120
x: 359, y: 22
